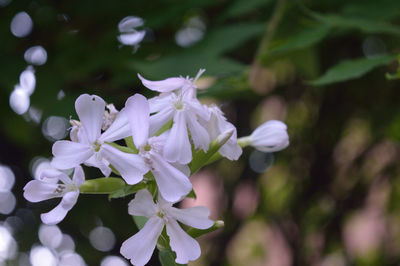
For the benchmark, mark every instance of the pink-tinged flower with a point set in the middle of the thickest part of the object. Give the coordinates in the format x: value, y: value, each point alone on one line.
x: 179, y: 104
x: 140, y: 246
x: 218, y: 125
x: 172, y: 180
x: 270, y: 137
x: 91, y: 147
x: 68, y: 190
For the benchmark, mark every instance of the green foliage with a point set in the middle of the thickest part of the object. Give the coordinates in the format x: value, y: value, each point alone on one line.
x: 351, y: 69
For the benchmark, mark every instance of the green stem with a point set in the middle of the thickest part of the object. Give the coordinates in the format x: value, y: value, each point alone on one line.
x: 103, y: 185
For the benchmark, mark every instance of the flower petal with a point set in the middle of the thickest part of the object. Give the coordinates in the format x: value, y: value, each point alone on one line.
x: 68, y: 154
x: 158, y: 120
x: 90, y: 109
x: 270, y: 137
x: 171, y: 182
x: 138, y: 112
x: 132, y: 167
x: 57, y: 214
x: 36, y: 191
x: 98, y: 162
x: 119, y: 129
x: 142, y: 204
x: 79, y: 176
x: 185, y: 247
x: 199, y: 134
x: 139, y: 247
x: 165, y: 85
x: 177, y: 147
x: 196, y: 217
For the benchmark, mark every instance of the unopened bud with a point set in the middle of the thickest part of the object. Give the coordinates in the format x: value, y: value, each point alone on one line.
x: 270, y: 137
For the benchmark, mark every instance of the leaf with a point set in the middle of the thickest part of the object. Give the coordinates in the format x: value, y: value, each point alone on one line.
x: 167, y: 258
x: 192, y: 194
x: 351, y: 69
x: 365, y: 25
x: 194, y: 232
x: 303, y: 39
x: 127, y: 190
x: 140, y: 221
x: 103, y: 185
x: 241, y: 7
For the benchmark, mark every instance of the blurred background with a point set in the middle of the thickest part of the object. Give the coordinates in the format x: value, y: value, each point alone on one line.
x: 327, y: 68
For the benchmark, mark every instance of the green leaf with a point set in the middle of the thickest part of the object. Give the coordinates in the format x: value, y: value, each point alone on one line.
x: 140, y: 221
x: 397, y: 74
x: 302, y: 39
x: 192, y: 194
x: 130, y: 144
x: 122, y: 148
x: 364, y: 25
x: 194, y: 232
x: 167, y: 257
x: 127, y: 190
x: 241, y: 7
x: 104, y: 185
x: 200, y: 158
x: 351, y: 69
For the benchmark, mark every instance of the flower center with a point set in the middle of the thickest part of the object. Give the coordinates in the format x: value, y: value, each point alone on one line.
x: 96, y: 146
x: 178, y: 105
x: 60, y: 189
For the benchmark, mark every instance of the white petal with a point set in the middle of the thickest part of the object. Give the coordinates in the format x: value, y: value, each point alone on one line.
x: 79, y: 176
x: 90, y: 109
x: 57, y: 214
x: 132, y: 38
x: 160, y: 102
x: 68, y: 154
x: 142, y: 204
x: 270, y: 136
x: 27, y: 81
x: 52, y: 173
x: 171, y: 182
x: 36, y: 191
x: 196, y: 217
x: 199, y: 134
x: 182, y: 167
x: 178, y: 148
x: 231, y: 150
x: 159, y: 119
x: 100, y: 163
x: 185, y: 247
x: 131, y: 166
x: 138, y: 112
x: 119, y: 129
x: 165, y: 85
x: 140, y: 246
x: 197, y: 108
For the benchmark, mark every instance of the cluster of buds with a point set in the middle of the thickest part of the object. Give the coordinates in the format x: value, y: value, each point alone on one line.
x: 168, y: 138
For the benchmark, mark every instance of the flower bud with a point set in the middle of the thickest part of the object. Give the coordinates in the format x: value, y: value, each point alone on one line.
x: 270, y: 137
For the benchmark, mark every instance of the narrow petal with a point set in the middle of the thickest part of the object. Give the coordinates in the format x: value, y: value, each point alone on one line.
x: 231, y: 150
x: 185, y: 247
x: 57, y: 214
x: 159, y: 102
x: 90, y: 109
x: 132, y: 167
x: 50, y: 173
x: 36, y: 191
x: 68, y: 154
x: 165, y: 85
x: 159, y: 119
x: 138, y: 112
x: 100, y: 163
x: 142, y: 204
x: 119, y: 129
x: 79, y: 176
x: 172, y: 183
x: 196, y: 217
x: 199, y: 134
x: 139, y: 247
x: 178, y: 148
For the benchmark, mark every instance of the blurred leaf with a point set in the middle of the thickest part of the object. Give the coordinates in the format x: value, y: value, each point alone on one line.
x: 302, y: 39
x: 140, y: 221
x: 127, y: 190
x: 365, y: 25
x: 377, y: 10
x: 241, y: 7
x: 351, y: 69
x: 397, y: 74
x: 194, y: 232
x: 167, y: 258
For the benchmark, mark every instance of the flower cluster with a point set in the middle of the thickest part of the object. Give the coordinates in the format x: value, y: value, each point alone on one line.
x: 168, y: 138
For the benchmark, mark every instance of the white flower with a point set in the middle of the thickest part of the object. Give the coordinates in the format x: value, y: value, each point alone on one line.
x: 270, y: 137
x: 185, y: 110
x: 92, y: 148
x: 140, y: 246
x: 173, y: 184
x: 68, y: 190
x: 217, y: 125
